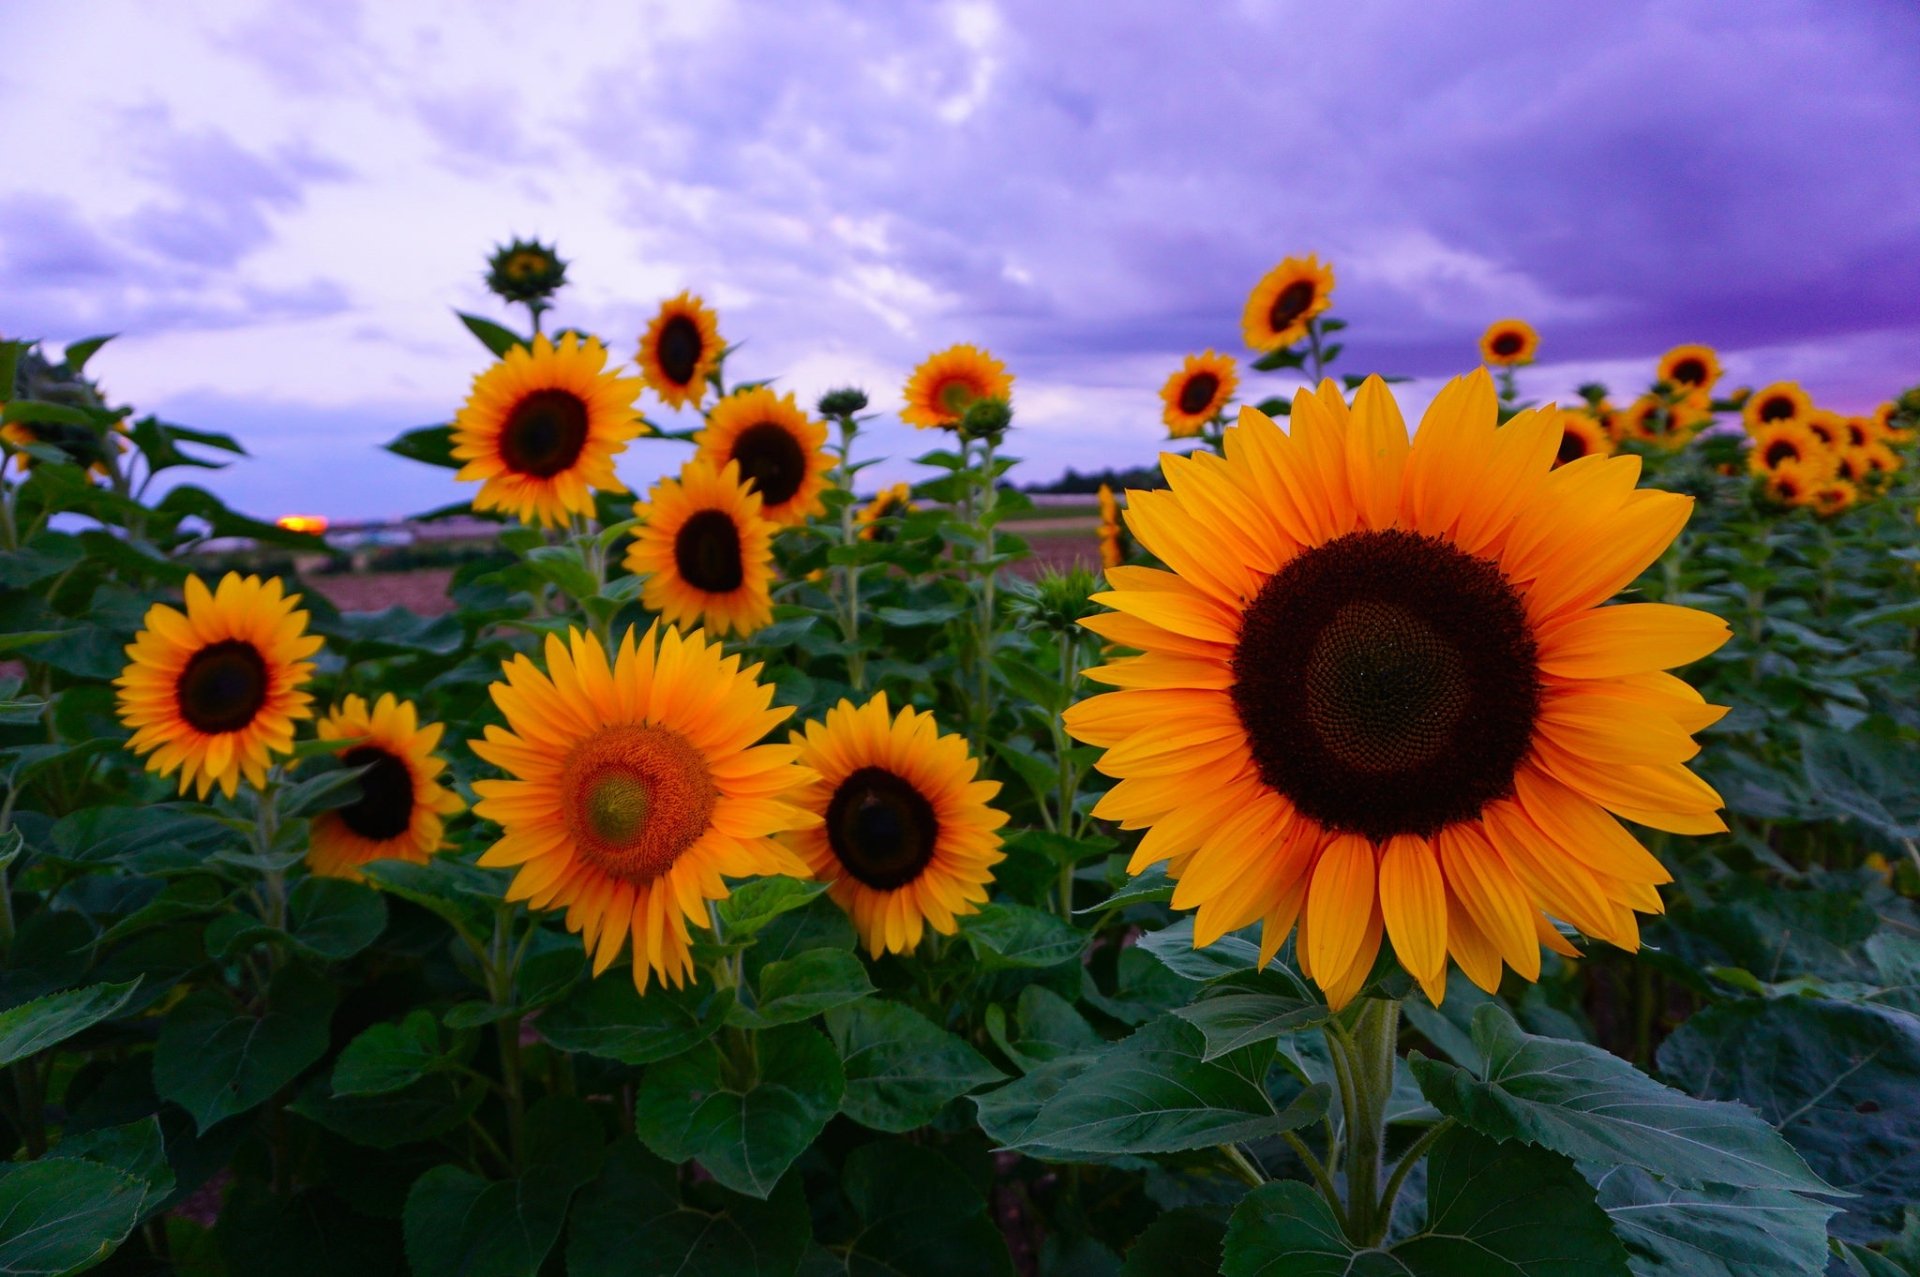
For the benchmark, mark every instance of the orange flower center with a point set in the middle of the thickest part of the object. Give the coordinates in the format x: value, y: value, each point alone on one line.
x: 636, y: 798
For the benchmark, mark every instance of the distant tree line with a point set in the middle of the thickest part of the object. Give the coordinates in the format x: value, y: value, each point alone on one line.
x: 1074, y: 482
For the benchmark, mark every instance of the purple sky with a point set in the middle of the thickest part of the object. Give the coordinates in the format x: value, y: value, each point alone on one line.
x: 280, y: 205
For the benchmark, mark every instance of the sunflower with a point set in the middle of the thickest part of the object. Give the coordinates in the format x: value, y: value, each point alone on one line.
x: 1852, y: 465
x: 1197, y: 393
x: 1782, y: 401
x: 945, y: 383
x: 1581, y: 435
x: 1833, y: 497
x: 1113, y: 537
x: 398, y: 815
x: 1508, y: 342
x: 1285, y: 301
x: 1792, y: 483
x: 1827, y: 427
x: 636, y: 784
x: 81, y: 445
x: 1788, y: 443
x: 1883, y: 420
x: 1669, y: 423
x: 680, y: 349
x: 781, y: 453
x: 1378, y: 693
x: 905, y: 835
x: 525, y: 270
x: 1879, y: 461
x: 705, y: 550
x: 886, y: 503
x: 213, y: 692
x: 1691, y: 367
x: 542, y: 428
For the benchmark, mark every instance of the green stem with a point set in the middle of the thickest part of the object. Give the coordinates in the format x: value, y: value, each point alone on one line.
x: 850, y: 572
x: 1313, y: 345
x: 983, y: 552
x: 1242, y: 1165
x: 1322, y: 1174
x: 1408, y: 1160
x: 502, y: 959
x: 1372, y: 1049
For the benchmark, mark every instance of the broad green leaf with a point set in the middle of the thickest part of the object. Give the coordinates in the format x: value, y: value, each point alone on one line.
x: 1010, y: 935
x: 63, y: 1214
x: 747, y: 1130
x: 1254, y: 1006
x: 753, y: 905
x: 920, y: 1217
x: 214, y: 1060
x: 1150, y: 887
x: 565, y: 567
x: 334, y: 918
x: 1048, y: 1026
x: 463, y: 895
x: 430, y: 1107
x: 144, y: 839
x: 494, y: 337
x: 606, y: 1017
x: 901, y: 1068
x: 1180, y: 1243
x: 387, y: 1057
x: 44, y: 1022
x: 634, y: 1222
x: 1228, y: 955
x: 393, y: 632
x: 1578, y: 1100
x: 803, y: 986
x: 1714, y: 1231
x: 431, y: 444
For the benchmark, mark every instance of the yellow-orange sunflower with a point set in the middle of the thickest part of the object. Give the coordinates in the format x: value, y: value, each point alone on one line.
x: 636, y: 785
x: 1788, y: 443
x: 1792, y: 483
x: 1508, y: 342
x: 400, y: 813
x: 1197, y: 393
x: 1379, y: 693
x: 706, y: 551
x: 1781, y: 401
x: 887, y: 502
x: 680, y: 349
x: 1883, y: 419
x: 781, y: 454
x: 1113, y: 537
x: 541, y: 428
x: 1878, y: 460
x: 1827, y: 426
x: 944, y: 384
x: 1581, y: 435
x: 906, y: 835
x: 1669, y: 423
x: 1286, y: 301
x: 1858, y: 432
x: 213, y: 692
x: 1689, y: 367
x: 1835, y: 496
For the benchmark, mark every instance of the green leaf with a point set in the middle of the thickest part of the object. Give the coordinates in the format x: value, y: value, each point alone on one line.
x: 1714, y: 1231
x: 387, y: 1057
x: 1229, y: 955
x: 432, y: 1106
x: 1252, y: 1006
x: 1058, y: 848
x: 34, y: 1026
x: 1010, y: 935
x: 1181, y: 1243
x: 754, y: 904
x: 1285, y: 357
x: 565, y: 567
x: 63, y: 1214
x: 1578, y: 1100
x: 744, y: 1131
x: 430, y: 444
x: 495, y: 338
x: 321, y: 789
x: 1493, y: 1210
x: 458, y: 892
x: 1841, y: 1080
x: 42, y: 557
x: 1150, y: 887
x: 1049, y: 1028
x: 921, y: 1217
x: 634, y: 1222
x: 310, y: 1234
x: 607, y: 1018
x: 79, y: 352
x: 803, y: 986
x: 901, y: 1068
x: 1150, y: 1093
x: 334, y: 918
x: 214, y: 1061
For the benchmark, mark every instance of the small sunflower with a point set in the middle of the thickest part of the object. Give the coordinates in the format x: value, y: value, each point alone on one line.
x: 1379, y: 695
x: 706, y: 551
x: 1858, y: 432
x: 1690, y: 367
x: 1781, y: 401
x: 1788, y: 443
x: 781, y: 453
x: 1827, y: 426
x: 635, y: 785
x: 81, y: 445
x: 906, y: 835
x: 680, y: 349
x: 1669, y: 423
x: 1834, y: 497
x: 1852, y: 465
x: 1581, y: 435
x: 1884, y: 419
x: 1878, y: 461
x: 1113, y: 537
x: 886, y: 503
x: 1508, y: 342
x: 945, y: 383
x: 1285, y: 302
x: 1197, y: 393
x: 213, y: 692
x: 1792, y: 483
x: 541, y: 429
x: 400, y: 812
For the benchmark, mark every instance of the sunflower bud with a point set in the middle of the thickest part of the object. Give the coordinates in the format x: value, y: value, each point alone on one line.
x: 1055, y: 601
x: 525, y: 271
x: 986, y: 419
x: 843, y: 402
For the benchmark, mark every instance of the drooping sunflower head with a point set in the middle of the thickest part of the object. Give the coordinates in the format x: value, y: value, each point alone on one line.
x: 1835, y: 496
x: 1690, y: 367
x: 780, y: 451
x: 1286, y: 301
x: 680, y: 349
x: 1581, y: 435
x: 1788, y: 443
x: 1769, y: 405
x: 874, y: 516
x: 1113, y: 537
x: 635, y: 784
x: 541, y: 428
x: 213, y: 692
x: 706, y: 551
x: 80, y: 445
x: 401, y: 809
x: 906, y: 835
x: 525, y: 270
x: 1379, y: 694
x: 946, y: 383
x: 1197, y: 393
x: 1508, y: 343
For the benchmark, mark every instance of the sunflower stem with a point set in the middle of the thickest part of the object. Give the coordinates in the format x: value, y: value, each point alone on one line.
x: 1243, y: 1165
x: 1371, y: 1048
x: 983, y: 560
x: 849, y: 572
x: 503, y: 959
x: 1313, y: 345
x: 1383, y: 1214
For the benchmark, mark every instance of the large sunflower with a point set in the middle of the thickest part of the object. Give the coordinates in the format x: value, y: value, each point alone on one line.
x: 636, y: 784
x: 1197, y: 393
x: 944, y: 384
x: 1788, y: 443
x: 780, y: 452
x: 1690, y: 367
x: 1781, y: 401
x: 400, y: 812
x: 1285, y: 301
x: 1378, y: 693
x: 1508, y: 342
x: 1581, y: 435
x: 542, y: 427
x: 906, y: 836
x: 213, y: 692
x: 680, y: 349
x: 706, y: 551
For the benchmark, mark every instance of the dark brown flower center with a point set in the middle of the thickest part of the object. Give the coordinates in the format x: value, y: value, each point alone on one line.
x: 1290, y: 304
x: 385, y: 806
x: 1197, y: 395
x: 544, y: 433
x: 223, y: 686
x: 1780, y: 450
x: 772, y: 460
x: 679, y: 349
x: 1387, y: 683
x: 1507, y: 343
x: 706, y: 551
x: 881, y: 828
x: 1573, y: 445
x: 1776, y: 408
x: 1690, y: 372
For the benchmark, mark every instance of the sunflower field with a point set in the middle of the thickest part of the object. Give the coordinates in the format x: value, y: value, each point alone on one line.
x: 1487, y: 844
